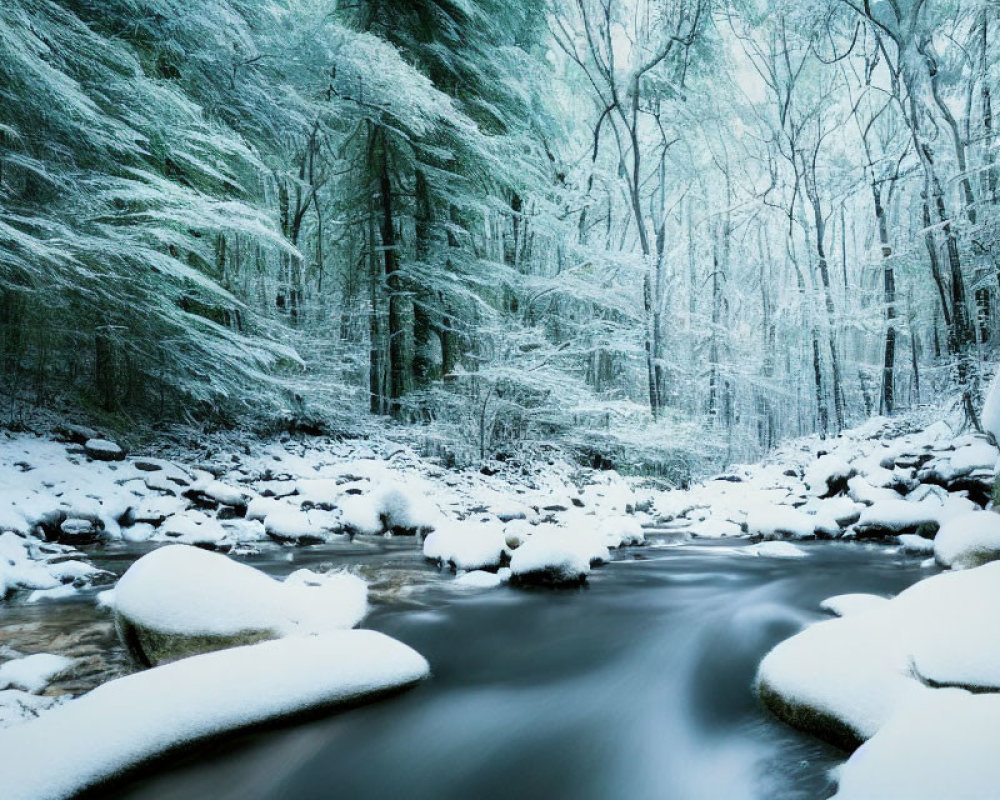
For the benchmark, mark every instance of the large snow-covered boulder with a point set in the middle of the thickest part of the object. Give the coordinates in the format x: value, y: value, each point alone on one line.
x: 289, y: 525
x: 846, y: 678
x: 128, y: 721
x: 968, y: 540
x: 179, y: 600
x: 551, y: 559
x: 104, y: 450
x: 466, y: 545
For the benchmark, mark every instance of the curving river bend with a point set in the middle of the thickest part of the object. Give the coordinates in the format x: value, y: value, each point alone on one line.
x: 638, y: 686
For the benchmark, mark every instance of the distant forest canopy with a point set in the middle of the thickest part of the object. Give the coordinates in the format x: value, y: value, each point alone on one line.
x: 665, y: 233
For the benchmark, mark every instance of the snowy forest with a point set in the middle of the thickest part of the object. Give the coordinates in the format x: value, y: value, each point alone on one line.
x: 662, y: 232
x: 449, y: 399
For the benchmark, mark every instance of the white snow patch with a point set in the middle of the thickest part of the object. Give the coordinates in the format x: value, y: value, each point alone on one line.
x: 943, y: 746
x: 775, y: 550
x: 33, y: 673
x: 844, y: 605
x: 778, y: 520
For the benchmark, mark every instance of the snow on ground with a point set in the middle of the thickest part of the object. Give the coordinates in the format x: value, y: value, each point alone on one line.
x: 132, y: 719
x: 552, y: 523
x: 843, y: 605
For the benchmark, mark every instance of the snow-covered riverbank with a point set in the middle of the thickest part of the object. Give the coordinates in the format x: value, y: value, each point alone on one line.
x: 896, y: 482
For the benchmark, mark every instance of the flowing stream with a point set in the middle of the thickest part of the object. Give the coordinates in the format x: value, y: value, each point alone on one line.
x: 638, y: 686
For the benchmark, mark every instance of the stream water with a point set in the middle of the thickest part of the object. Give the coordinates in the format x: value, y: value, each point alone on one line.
x: 638, y: 686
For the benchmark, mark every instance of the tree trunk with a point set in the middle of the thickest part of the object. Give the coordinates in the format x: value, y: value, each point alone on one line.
x: 400, y: 363
x: 888, y: 402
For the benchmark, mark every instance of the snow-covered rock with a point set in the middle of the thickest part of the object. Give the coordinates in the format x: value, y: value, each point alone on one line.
x: 21, y: 568
x: 943, y: 746
x: 194, y: 529
x: 780, y: 521
x: 299, y: 527
x: 127, y: 721
x: 180, y: 600
x: 17, y: 707
x: 403, y: 509
x: 844, y: 679
x: 33, y: 673
x: 828, y: 475
x: 359, y: 514
x: 516, y: 533
x: 968, y: 540
x: 918, y: 545
x: 466, y: 545
x: 480, y: 579
x: 621, y: 531
x: 551, y: 559
x: 104, y: 450
x: 775, y: 550
x: 894, y: 516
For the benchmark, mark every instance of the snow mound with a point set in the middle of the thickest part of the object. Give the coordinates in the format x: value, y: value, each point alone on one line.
x: 844, y: 679
x: 621, y: 531
x: 186, y: 592
x: 778, y: 520
x: 480, y: 579
x: 33, y: 673
x: 300, y: 527
x: 775, y: 550
x: 404, y: 509
x: 17, y: 706
x: 941, y: 747
x: 828, y: 475
x: 918, y: 545
x: 27, y: 564
x: 895, y: 515
x: 844, y: 605
x: 132, y: 719
x: 968, y: 540
x: 466, y: 545
x: 551, y: 559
